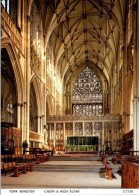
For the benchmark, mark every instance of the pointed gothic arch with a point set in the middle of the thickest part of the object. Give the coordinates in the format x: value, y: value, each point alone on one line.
x: 7, y: 43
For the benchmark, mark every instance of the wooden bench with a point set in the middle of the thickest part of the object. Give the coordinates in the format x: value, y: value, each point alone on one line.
x: 23, y: 168
x: 118, y: 159
x: 133, y: 158
x: 41, y: 159
x: 45, y: 158
x: 130, y: 174
x: 104, y: 160
x: 108, y: 171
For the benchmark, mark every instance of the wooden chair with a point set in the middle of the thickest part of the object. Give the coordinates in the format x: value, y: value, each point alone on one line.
x: 34, y: 157
x: 6, y: 158
x: 9, y: 158
x: 2, y: 163
x: 23, y: 158
x: 14, y: 164
x: 10, y: 166
x: 28, y: 158
x: 19, y: 157
x: 13, y: 157
x: 2, y: 158
x: 5, y: 168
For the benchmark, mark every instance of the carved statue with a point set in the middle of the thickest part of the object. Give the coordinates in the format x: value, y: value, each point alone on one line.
x: 45, y: 137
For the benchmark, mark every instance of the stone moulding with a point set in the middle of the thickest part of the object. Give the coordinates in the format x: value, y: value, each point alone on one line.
x: 108, y: 117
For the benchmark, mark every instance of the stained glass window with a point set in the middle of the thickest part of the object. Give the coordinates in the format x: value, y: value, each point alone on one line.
x: 87, y: 94
x: 6, y: 4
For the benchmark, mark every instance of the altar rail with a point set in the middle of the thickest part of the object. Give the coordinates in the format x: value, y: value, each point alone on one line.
x: 42, y: 152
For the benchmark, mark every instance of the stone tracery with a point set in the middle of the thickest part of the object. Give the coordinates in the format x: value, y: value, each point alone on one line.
x: 87, y: 94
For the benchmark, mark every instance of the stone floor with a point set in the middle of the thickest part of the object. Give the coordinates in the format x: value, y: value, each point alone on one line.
x: 40, y: 180
x: 73, y: 163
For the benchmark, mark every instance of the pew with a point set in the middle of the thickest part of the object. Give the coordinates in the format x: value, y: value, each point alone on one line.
x: 41, y: 159
x: 116, y: 159
x: 130, y: 174
x: 108, y: 171
x: 108, y: 168
x: 133, y: 158
x: 119, y: 158
x: 104, y: 160
x: 23, y: 169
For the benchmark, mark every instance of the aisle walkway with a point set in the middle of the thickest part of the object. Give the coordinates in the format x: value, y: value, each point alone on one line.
x: 61, y: 179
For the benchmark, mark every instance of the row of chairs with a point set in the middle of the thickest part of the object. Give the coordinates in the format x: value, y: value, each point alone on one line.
x: 7, y: 167
x: 18, y: 158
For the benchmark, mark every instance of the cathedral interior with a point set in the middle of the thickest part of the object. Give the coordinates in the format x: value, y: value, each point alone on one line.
x: 70, y: 79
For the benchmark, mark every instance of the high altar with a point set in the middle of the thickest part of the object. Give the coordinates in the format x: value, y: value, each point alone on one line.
x: 84, y: 133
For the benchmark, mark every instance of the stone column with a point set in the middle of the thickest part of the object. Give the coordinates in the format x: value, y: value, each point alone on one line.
x: 64, y: 137
x: 18, y: 115
x: 124, y: 74
x: 50, y: 134
x: 23, y: 124
x: 27, y: 76
x: 136, y: 79
x: 102, y: 136
x: 54, y: 138
x: 38, y: 118
x: 41, y: 122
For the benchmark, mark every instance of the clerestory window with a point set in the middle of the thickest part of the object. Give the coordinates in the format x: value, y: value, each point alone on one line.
x: 6, y: 4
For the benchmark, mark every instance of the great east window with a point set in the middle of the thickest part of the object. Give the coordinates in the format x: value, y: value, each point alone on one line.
x: 87, y: 94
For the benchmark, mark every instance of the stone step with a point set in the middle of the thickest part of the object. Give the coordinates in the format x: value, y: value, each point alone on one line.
x: 93, y: 169
x: 72, y: 158
x: 77, y: 158
x: 71, y: 168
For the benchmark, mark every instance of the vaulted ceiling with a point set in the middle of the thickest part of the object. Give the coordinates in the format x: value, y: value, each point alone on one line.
x: 83, y: 31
